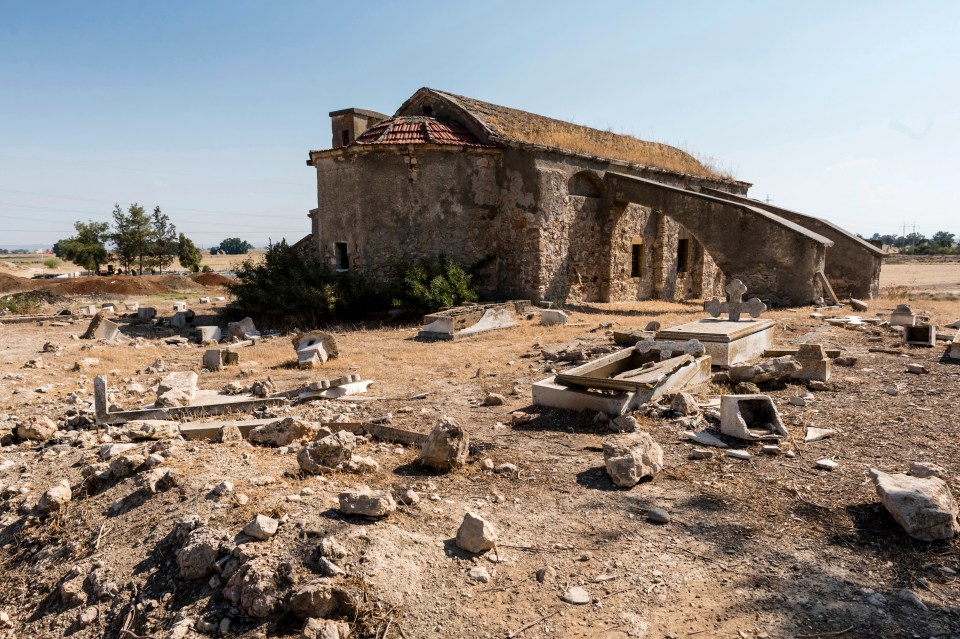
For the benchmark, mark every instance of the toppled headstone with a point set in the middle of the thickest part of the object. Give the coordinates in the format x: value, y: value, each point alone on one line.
x: 858, y: 305
x: 446, y: 447
x: 315, y: 348
x: 177, y: 389
x: 216, y: 358
x: 923, y: 506
x: 327, y: 453
x: 284, y: 432
x: 207, y: 334
x: 631, y: 457
x: 101, y: 328
x: 753, y: 417
x: 362, y: 500
x: 244, y: 329
x: 552, y: 317
x: 476, y: 534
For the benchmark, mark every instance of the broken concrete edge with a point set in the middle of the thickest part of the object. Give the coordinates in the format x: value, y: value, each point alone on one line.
x: 26, y: 319
x: 832, y: 353
x: 211, y: 430
x: 464, y: 321
x: 174, y: 413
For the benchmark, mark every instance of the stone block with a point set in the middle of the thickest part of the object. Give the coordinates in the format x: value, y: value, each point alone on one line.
x: 920, y: 335
x: 553, y: 317
x: 244, y: 329
x: 88, y: 309
x: 216, y: 358
x: 814, y: 363
x: 923, y: 506
x: 209, y: 334
x: 727, y: 342
x: 902, y: 316
x: 101, y: 328
x: 752, y: 417
x: 315, y: 348
x: 179, y: 307
x: 953, y: 352
x: 146, y: 313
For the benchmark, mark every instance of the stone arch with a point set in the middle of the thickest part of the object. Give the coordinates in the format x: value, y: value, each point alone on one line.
x: 585, y: 184
x: 777, y: 259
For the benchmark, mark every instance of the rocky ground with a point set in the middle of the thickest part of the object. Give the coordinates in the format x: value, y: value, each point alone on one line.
x: 153, y: 539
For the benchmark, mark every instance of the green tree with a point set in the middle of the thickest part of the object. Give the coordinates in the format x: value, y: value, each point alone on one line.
x: 190, y: 255
x: 132, y: 236
x: 943, y: 239
x: 88, y: 247
x: 235, y: 246
x: 163, y: 246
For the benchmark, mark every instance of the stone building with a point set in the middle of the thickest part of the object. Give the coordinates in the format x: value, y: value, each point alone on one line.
x: 562, y: 212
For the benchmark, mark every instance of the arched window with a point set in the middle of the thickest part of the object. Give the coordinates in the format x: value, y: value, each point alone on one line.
x: 584, y: 184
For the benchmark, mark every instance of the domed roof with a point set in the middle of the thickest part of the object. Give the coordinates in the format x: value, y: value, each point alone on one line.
x: 419, y: 129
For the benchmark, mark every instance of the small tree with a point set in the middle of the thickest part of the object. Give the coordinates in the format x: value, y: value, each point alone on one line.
x: 190, y: 255
x: 86, y: 248
x: 132, y: 236
x: 234, y: 246
x: 163, y: 247
x: 943, y: 239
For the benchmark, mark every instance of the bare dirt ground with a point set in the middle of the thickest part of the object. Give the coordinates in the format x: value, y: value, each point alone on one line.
x: 770, y: 547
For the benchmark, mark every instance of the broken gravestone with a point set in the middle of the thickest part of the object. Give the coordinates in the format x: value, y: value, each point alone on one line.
x: 176, y: 389
x: 923, y: 506
x: 631, y: 457
x: 753, y: 417
x: 101, y: 328
x: 814, y: 363
x: 315, y: 348
x: 552, y: 317
x: 446, y: 447
x: 244, y: 329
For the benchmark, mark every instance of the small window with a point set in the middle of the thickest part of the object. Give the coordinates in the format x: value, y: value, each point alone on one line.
x: 683, y: 253
x: 345, y: 136
x: 343, y: 260
x: 427, y: 110
x: 636, y: 260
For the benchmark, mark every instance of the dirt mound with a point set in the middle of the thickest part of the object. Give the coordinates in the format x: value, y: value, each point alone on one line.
x: 11, y: 283
x: 213, y: 279
x: 118, y: 285
x: 176, y: 282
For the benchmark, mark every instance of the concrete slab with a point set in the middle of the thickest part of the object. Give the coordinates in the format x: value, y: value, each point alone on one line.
x: 465, y: 321
x: 751, y: 417
x: 727, y: 342
x: 953, y: 352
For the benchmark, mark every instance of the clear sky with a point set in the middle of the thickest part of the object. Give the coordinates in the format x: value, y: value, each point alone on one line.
x: 847, y: 110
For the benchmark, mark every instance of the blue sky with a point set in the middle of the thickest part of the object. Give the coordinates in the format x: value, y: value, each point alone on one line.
x: 850, y: 110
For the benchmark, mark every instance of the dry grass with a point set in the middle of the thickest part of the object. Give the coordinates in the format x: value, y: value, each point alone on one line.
x: 537, y: 129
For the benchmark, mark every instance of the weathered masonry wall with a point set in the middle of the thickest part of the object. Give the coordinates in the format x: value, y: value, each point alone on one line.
x: 852, y: 264
x: 776, y: 259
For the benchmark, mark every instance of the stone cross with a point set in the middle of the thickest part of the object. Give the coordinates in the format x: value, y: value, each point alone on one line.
x: 735, y: 304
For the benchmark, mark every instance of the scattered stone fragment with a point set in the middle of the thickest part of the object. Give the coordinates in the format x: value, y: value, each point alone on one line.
x: 38, y: 428
x: 685, y: 404
x: 746, y: 388
x: 152, y: 429
x: 506, y: 468
x: 547, y: 574
x: 230, y: 433
x: 158, y: 480
x: 700, y: 453
x: 858, y: 305
x: 658, y: 516
x: 623, y: 424
x: 254, y: 589
x: 705, y: 439
x: 576, y: 596
x: 631, y: 457
x: 814, y: 434
x: 738, y: 454
x: 846, y: 360
x: 494, y: 399
x: 325, y: 629
x: 911, y: 597
x: 88, y: 616
x: 406, y: 496
x: 316, y: 600
x: 177, y: 389
x: 552, y: 317
x: 917, y: 369
x: 446, y: 447
x: 362, y: 500
x: 928, y: 469
x: 826, y: 464
x: 475, y: 534
x: 262, y: 527
x: 327, y: 453
x: 486, y: 464
x: 361, y: 464
x: 652, y: 325
x: 198, y: 556
x: 55, y: 498
x: 479, y: 574
x: 283, y: 433
x: 923, y: 506
x: 771, y: 449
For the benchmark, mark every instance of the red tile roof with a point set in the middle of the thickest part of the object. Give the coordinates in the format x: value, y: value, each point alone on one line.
x: 410, y: 129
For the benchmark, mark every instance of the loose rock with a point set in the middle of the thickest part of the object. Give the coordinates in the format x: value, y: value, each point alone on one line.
x: 446, y: 447
x: 369, y: 503
x: 923, y: 506
x: 475, y: 534
x: 262, y: 527
x: 631, y: 457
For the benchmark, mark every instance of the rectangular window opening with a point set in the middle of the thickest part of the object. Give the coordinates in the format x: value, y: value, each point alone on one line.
x: 683, y: 253
x: 636, y: 260
x: 343, y: 260
x: 345, y: 135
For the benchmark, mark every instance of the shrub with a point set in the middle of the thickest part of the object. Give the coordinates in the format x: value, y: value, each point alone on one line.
x: 51, y: 262
x: 21, y: 303
x: 286, y: 289
x: 432, y: 283
x: 206, y: 269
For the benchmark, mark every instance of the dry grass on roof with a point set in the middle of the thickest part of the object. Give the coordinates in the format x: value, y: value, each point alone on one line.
x: 537, y: 129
